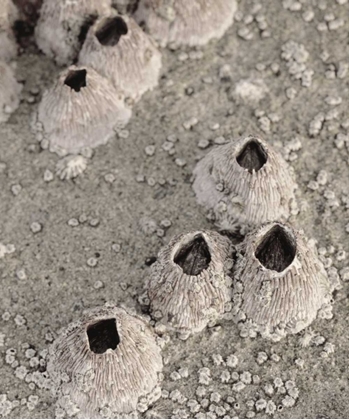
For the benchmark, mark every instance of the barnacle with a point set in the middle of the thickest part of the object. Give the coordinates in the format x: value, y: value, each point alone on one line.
x: 181, y: 22
x: 246, y: 182
x: 125, y: 6
x: 280, y: 284
x: 105, y: 362
x: 71, y: 166
x: 189, y: 286
x: 118, y: 49
x: 63, y: 24
x: 8, y: 16
x: 10, y: 90
x: 81, y: 110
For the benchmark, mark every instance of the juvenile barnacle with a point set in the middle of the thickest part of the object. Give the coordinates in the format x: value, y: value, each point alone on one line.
x: 280, y: 284
x: 107, y: 361
x: 246, y: 182
x: 188, y: 286
x: 118, y: 49
x: 81, y: 110
x: 63, y: 24
x: 8, y: 16
x: 10, y: 91
x: 181, y: 22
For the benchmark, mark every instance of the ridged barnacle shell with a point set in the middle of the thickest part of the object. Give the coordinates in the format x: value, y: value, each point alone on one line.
x: 63, y: 24
x: 105, y: 363
x: 8, y: 16
x: 81, y: 110
x: 245, y: 181
x: 279, y: 282
x: 189, y: 286
x: 10, y: 90
x: 118, y: 49
x: 182, y: 22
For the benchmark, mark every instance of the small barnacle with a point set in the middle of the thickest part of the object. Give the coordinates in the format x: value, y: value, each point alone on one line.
x: 10, y: 90
x: 258, y: 184
x: 8, y: 16
x: 111, y: 361
x: 71, y: 166
x: 81, y: 110
x: 63, y: 25
x: 181, y: 22
x: 188, y: 287
x: 118, y: 49
x: 298, y: 286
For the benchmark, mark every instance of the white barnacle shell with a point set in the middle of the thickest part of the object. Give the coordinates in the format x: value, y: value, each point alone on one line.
x: 10, y: 91
x: 108, y: 360
x: 63, y: 25
x: 182, y: 22
x: 245, y: 181
x: 189, y: 286
x: 280, y: 282
x: 118, y: 49
x: 82, y: 109
x: 8, y: 16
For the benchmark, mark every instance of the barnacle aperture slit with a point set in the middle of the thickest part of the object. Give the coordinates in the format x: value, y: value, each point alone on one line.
x: 111, y: 30
x: 103, y: 335
x: 76, y: 79
x: 277, y: 249
x: 193, y: 257
x: 253, y: 156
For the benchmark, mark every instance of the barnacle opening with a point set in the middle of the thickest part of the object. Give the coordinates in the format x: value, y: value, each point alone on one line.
x: 76, y: 79
x: 194, y: 256
x: 111, y: 30
x: 253, y: 156
x: 103, y: 335
x: 277, y: 249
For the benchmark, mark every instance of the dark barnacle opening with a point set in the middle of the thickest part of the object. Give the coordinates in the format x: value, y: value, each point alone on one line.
x: 277, y: 249
x: 76, y: 79
x: 111, y: 30
x: 193, y: 257
x: 103, y: 335
x: 253, y: 156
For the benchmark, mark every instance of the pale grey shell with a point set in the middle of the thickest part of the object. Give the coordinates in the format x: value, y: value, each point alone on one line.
x: 279, y: 282
x: 8, y: 16
x: 106, y: 361
x: 125, y: 6
x: 61, y: 24
x: 182, y: 22
x: 10, y: 91
x: 245, y: 181
x: 118, y: 49
x: 82, y: 109
x: 183, y: 299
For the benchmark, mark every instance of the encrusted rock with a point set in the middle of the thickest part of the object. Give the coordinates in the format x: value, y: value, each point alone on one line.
x: 118, y: 49
x: 108, y: 361
x: 10, y: 91
x: 188, y: 286
x: 280, y: 284
x: 182, y: 22
x: 8, y: 16
x: 81, y: 110
x: 245, y: 182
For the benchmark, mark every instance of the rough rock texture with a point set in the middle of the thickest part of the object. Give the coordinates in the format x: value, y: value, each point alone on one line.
x: 8, y: 16
x: 118, y: 49
x: 10, y: 91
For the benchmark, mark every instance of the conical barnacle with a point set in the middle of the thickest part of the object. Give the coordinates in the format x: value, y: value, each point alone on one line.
x: 81, y: 110
x: 63, y: 24
x: 188, y: 286
x: 279, y: 282
x: 71, y: 166
x: 106, y: 361
x: 118, y: 49
x: 10, y: 90
x: 8, y: 16
x: 245, y: 181
x: 181, y: 22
